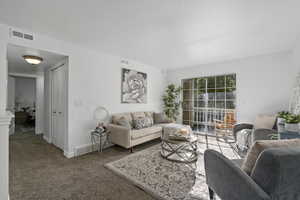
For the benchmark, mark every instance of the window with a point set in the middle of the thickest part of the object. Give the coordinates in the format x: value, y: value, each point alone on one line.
x: 206, y: 99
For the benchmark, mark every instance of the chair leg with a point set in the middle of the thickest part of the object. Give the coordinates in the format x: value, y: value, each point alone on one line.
x: 211, y: 194
x: 131, y: 150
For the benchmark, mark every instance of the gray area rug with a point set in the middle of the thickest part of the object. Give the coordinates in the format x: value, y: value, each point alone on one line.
x: 169, y: 180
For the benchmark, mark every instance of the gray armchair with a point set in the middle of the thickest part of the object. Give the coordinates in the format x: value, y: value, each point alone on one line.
x: 276, y: 176
x: 257, y: 134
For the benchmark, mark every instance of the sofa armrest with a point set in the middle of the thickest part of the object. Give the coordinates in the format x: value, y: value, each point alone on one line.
x: 241, y: 126
x: 263, y: 134
x: 119, y: 135
x: 228, y: 181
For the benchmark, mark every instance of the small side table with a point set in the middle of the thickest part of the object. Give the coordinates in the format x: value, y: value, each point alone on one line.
x: 101, y: 135
x: 180, y: 151
x: 184, y: 151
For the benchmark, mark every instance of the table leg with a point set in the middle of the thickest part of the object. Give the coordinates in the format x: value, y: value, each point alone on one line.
x: 92, y: 140
x: 100, y: 146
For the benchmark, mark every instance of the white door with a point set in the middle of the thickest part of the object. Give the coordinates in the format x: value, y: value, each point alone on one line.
x: 58, y: 106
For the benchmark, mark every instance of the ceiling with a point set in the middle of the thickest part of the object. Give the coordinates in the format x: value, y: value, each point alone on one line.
x: 16, y: 63
x: 164, y: 33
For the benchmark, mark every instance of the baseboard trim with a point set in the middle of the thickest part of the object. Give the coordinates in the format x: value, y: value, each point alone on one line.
x: 87, y: 148
x: 69, y: 154
x: 47, y: 139
x: 83, y: 149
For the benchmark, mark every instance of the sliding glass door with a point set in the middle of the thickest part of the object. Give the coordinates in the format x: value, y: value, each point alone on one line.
x: 207, y: 99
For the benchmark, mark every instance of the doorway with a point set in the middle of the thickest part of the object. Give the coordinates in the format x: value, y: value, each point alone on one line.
x: 208, y: 99
x: 33, y: 108
x: 21, y: 102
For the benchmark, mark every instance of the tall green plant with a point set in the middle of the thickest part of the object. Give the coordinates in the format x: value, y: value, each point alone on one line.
x: 171, y: 100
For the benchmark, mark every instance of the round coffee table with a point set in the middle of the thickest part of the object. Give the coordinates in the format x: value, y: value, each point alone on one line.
x: 179, y: 150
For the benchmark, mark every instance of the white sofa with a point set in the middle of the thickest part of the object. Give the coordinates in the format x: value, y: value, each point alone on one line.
x: 128, y: 138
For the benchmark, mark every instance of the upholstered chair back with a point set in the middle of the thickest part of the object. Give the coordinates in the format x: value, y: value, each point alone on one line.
x: 277, y: 172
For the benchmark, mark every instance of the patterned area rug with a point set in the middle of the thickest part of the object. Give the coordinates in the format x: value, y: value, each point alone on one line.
x: 168, y: 180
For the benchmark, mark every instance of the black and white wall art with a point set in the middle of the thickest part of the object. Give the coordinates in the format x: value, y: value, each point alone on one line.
x: 134, y: 86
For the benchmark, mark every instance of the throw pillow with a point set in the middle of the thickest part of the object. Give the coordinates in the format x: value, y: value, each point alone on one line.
x: 264, y: 121
x: 140, y: 122
x: 161, y: 118
x: 260, y: 146
x: 123, y: 122
x: 136, y: 115
x: 148, y: 121
x: 150, y: 116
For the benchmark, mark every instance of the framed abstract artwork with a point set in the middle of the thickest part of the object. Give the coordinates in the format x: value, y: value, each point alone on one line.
x: 134, y: 86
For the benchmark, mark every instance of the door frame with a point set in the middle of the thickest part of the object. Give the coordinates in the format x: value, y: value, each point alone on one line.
x: 65, y: 65
x: 206, y: 92
x: 37, y: 109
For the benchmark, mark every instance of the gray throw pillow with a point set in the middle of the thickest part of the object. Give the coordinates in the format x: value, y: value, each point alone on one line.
x: 161, y: 118
x: 123, y: 122
x: 141, y: 122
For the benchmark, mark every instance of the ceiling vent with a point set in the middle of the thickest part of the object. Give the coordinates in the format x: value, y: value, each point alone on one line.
x: 19, y: 34
x: 28, y: 36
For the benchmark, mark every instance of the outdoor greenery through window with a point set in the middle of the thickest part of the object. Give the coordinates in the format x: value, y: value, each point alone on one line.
x: 206, y: 99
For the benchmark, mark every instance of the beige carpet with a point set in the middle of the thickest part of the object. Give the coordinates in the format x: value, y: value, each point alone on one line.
x: 39, y: 171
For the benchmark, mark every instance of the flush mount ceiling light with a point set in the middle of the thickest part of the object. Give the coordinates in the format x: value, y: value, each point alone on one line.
x: 33, y: 60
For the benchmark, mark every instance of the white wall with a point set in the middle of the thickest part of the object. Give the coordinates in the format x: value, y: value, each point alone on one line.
x: 264, y: 83
x: 97, y: 82
x: 10, y: 93
x: 25, y: 92
x: 94, y: 80
x: 296, y: 54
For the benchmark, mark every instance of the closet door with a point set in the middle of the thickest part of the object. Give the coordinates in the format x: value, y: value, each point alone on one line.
x: 58, y: 107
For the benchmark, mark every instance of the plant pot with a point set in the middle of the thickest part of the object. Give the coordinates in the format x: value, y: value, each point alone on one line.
x: 291, y: 127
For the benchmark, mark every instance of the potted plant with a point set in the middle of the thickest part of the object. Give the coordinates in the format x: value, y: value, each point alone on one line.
x: 171, y: 100
x: 281, y: 116
x: 291, y: 123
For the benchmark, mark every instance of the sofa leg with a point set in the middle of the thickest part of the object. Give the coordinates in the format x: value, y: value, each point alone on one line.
x: 211, y: 194
x: 131, y: 150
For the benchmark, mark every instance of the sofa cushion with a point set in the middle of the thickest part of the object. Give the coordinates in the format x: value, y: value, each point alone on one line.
x: 123, y: 122
x: 136, y: 134
x: 264, y: 121
x: 116, y: 117
x: 161, y: 118
x: 136, y: 115
x: 261, y: 145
